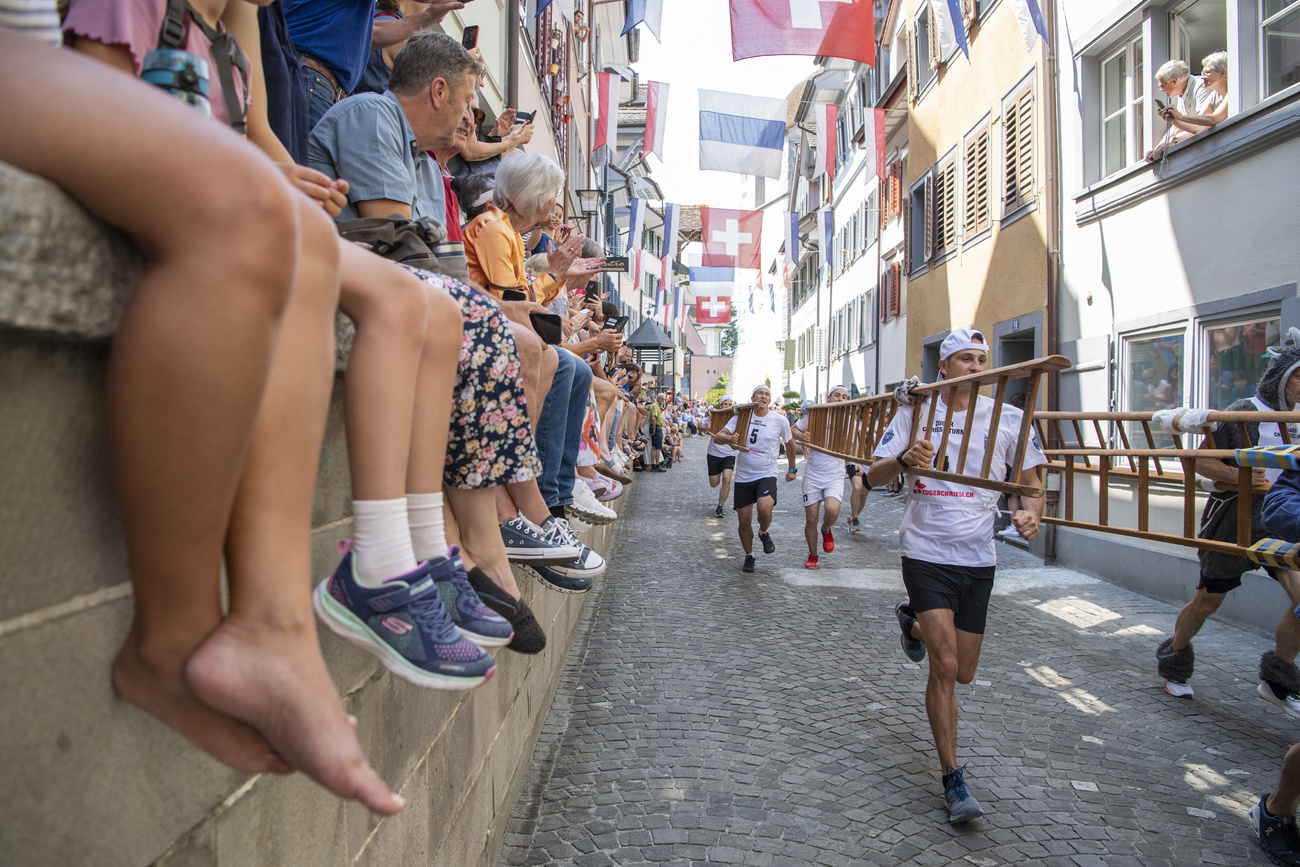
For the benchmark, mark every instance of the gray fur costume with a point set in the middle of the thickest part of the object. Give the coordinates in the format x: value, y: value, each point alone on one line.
x: 1175, y: 665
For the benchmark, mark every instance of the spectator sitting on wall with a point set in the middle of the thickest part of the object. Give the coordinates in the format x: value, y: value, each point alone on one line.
x: 1185, y: 92
x: 1213, y: 106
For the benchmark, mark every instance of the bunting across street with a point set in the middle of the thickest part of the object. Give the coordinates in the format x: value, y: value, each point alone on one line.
x: 818, y: 28
x: 731, y: 238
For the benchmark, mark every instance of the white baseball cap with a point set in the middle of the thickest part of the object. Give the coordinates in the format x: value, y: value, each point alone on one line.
x: 835, y: 389
x: 761, y: 385
x: 962, y: 338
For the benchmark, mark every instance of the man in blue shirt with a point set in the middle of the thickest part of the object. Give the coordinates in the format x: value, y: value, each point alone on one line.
x: 334, y: 38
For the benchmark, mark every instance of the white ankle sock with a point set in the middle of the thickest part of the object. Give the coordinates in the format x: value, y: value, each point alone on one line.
x: 381, y: 542
x: 428, y: 534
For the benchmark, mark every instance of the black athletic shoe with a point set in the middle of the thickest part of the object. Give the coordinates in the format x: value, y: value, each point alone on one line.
x: 769, y: 547
x: 749, y: 563
x: 1276, y: 835
x: 718, y: 513
x: 913, y: 647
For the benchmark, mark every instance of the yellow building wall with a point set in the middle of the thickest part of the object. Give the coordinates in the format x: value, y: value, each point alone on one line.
x: 1003, y: 275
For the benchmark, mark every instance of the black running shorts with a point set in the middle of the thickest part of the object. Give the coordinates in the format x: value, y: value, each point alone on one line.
x: 851, y: 470
x: 747, y: 493
x: 717, y: 464
x: 964, y: 590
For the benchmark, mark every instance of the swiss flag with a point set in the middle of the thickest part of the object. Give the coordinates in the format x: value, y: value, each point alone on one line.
x: 820, y: 28
x: 712, y: 310
x: 732, y: 239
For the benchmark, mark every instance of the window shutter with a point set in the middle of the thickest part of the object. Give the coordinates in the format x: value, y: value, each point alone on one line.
x: 895, y: 288
x: 968, y: 15
x: 1025, y: 150
x: 927, y: 203
x: 983, y: 210
x: 882, y: 291
x: 935, y: 50
x: 1010, y: 141
x: 910, y: 38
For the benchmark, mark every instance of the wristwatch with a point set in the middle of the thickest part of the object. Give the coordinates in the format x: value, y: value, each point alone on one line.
x: 902, y: 463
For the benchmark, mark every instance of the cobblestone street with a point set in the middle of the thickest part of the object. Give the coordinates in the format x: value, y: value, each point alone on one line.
x: 708, y: 716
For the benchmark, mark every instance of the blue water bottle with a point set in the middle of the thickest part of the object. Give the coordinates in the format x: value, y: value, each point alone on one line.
x: 180, y: 73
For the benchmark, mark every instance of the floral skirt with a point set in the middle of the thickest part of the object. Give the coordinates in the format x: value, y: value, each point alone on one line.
x: 490, y: 442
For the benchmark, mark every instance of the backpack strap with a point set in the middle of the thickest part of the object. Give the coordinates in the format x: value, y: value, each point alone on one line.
x: 225, y: 51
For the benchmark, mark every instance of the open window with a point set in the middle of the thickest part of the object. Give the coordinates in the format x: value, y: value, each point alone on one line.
x: 1123, y: 89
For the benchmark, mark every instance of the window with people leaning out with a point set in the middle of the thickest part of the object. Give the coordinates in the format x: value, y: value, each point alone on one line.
x: 1157, y: 86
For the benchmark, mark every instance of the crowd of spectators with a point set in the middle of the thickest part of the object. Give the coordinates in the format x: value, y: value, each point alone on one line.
x: 491, y: 413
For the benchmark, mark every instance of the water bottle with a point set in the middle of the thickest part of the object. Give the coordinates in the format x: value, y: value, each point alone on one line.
x: 180, y: 73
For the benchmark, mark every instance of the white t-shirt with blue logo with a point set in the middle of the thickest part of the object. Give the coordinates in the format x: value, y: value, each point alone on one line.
x: 947, y: 522
x: 819, y: 468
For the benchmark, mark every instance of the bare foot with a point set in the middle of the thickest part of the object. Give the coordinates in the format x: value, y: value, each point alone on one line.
x: 158, y: 687
x: 275, y: 680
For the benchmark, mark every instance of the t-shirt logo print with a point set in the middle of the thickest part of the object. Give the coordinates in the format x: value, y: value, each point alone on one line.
x: 889, y: 435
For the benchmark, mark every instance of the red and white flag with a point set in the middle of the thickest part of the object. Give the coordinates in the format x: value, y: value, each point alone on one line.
x: 607, y: 115
x: 635, y: 262
x: 827, y: 139
x: 732, y: 239
x: 656, y: 112
x: 820, y: 28
x: 712, y: 311
x: 875, y: 135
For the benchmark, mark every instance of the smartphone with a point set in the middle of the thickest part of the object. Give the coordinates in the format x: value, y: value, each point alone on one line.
x: 616, y: 324
x: 616, y: 264
x: 524, y: 116
x: 469, y: 38
x: 1159, y: 102
x: 547, y: 326
x: 592, y: 290
x: 565, y: 231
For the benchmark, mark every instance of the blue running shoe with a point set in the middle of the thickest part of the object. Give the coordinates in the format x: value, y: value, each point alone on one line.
x: 469, y: 615
x: 404, y: 624
x: 962, y: 806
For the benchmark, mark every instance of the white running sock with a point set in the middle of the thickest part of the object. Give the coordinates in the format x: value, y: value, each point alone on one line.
x: 381, y: 542
x: 428, y: 533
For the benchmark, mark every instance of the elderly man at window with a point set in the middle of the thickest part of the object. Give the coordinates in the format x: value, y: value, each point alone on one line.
x: 1186, y: 94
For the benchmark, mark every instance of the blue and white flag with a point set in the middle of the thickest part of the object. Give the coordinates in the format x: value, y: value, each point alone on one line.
x: 564, y: 7
x: 826, y: 236
x: 771, y: 294
x: 672, y: 222
x: 635, y: 223
x: 713, y: 282
x: 791, y: 226
x: 952, y: 30
x: 1030, y: 18
x: 751, y: 299
x: 649, y: 11
x: 742, y: 134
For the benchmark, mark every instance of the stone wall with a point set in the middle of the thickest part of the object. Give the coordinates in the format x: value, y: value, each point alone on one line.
x: 90, y: 780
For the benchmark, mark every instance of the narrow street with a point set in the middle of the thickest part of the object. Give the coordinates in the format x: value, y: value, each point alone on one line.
x: 708, y: 716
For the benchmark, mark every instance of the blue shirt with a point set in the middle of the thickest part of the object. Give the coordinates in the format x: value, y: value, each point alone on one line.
x: 367, y: 141
x: 335, y: 32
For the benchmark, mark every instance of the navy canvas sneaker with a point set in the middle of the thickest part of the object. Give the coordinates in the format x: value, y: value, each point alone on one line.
x: 553, y: 580
x: 404, y: 624
x: 962, y: 806
x: 469, y: 615
x: 588, y: 565
x: 525, y: 542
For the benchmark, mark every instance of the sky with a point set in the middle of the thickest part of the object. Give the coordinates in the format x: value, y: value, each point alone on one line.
x: 695, y: 53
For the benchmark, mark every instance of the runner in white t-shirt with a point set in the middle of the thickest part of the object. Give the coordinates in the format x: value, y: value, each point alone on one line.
x: 946, y: 541
x: 722, y: 463
x: 756, y: 470
x: 823, y: 479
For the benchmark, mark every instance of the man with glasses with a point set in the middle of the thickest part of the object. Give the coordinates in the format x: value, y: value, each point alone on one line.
x: 1186, y: 92
x: 756, y: 469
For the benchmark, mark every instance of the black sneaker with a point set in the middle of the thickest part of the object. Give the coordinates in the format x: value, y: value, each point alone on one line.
x: 718, y: 513
x: 913, y: 647
x: 749, y: 563
x: 1276, y: 835
x: 529, y: 635
x: 962, y: 806
x: 769, y: 547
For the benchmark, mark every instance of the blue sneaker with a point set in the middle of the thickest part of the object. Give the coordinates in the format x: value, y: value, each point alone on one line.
x: 962, y: 806
x: 404, y: 624
x: 469, y: 615
x: 548, y: 577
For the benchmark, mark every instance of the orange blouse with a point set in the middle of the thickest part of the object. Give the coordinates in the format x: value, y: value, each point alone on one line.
x: 495, y: 255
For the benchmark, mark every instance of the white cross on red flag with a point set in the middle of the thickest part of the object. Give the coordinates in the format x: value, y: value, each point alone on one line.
x: 712, y: 311
x: 732, y: 239
x: 820, y: 28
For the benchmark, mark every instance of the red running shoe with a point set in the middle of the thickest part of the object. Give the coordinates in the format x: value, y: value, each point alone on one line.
x: 828, y: 542
x: 811, y: 562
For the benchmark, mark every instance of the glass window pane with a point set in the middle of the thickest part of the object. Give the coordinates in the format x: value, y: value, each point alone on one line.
x: 1272, y: 7
x: 1236, y: 359
x: 1155, y: 381
x: 1115, y: 155
x: 1282, y: 52
x: 1113, y: 74
x: 1139, y: 86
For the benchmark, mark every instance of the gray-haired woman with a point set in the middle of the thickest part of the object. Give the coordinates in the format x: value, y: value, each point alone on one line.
x: 1213, y: 109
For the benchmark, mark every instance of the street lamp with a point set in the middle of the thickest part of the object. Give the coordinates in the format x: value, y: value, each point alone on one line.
x: 589, y: 201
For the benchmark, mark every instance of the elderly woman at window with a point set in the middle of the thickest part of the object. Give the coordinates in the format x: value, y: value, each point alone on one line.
x: 1213, y: 106
x: 522, y: 197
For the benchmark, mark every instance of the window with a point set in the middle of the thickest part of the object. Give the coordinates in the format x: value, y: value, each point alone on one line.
x: 925, y: 64
x: 945, y: 207
x: 1280, y: 34
x: 978, y: 215
x: 1235, y: 359
x: 1018, y: 149
x: 919, y: 244
x: 1154, y: 368
x: 1122, y: 98
x: 1199, y: 28
x: 870, y: 222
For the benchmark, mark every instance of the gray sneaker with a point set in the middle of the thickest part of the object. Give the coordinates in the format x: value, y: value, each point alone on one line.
x: 527, y: 542
x: 962, y: 806
x: 913, y: 647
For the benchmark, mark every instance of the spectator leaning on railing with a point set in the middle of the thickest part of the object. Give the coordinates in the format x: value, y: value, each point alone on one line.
x: 1213, y: 106
x: 1186, y: 94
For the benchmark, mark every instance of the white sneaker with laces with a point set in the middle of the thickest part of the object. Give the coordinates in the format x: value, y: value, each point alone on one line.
x: 586, y: 506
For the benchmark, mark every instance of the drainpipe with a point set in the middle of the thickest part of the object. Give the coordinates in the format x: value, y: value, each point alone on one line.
x: 1052, y: 150
x: 512, y: 54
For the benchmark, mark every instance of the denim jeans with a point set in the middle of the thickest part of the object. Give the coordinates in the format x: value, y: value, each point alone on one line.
x: 613, y: 427
x: 321, y: 96
x: 559, y: 430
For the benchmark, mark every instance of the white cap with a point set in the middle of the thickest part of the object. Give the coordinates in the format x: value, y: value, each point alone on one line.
x: 761, y: 385
x: 962, y: 338
x: 835, y: 389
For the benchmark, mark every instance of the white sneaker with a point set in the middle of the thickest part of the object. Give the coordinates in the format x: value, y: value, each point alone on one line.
x: 578, y: 525
x: 1288, y: 701
x: 586, y: 506
x: 1179, y: 690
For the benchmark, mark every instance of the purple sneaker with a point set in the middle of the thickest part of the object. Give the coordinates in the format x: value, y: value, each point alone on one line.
x: 471, y: 617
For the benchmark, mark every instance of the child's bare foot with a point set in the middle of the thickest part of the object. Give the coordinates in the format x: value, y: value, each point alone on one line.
x: 275, y: 679
x: 157, y: 686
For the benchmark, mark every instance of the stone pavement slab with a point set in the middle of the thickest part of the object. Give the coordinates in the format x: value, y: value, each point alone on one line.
x: 709, y: 716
